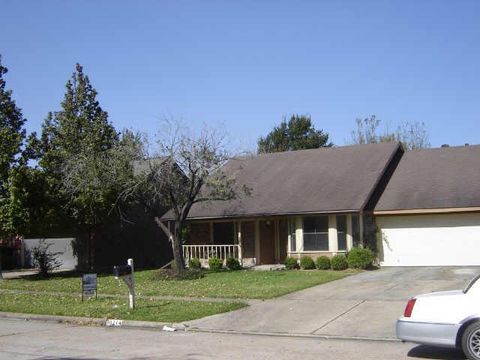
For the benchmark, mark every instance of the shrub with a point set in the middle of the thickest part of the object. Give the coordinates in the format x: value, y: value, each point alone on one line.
x: 339, y: 262
x: 192, y: 274
x: 45, y: 260
x: 169, y: 274
x: 215, y: 263
x: 233, y: 264
x: 323, y: 263
x: 359, y: 258
x: 307, y: 263
x: 291, y: 263
x: 194, y: 263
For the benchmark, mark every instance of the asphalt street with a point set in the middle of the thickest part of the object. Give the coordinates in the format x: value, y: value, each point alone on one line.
x: 20, y: 339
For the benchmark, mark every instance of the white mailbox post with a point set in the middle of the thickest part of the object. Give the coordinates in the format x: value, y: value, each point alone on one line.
x: 126, y: 273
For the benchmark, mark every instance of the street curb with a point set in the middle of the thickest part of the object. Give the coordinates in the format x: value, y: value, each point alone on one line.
x: 295, y: 335
x: 87, y: 321
x: 83, y: 321
x: 54, y: 318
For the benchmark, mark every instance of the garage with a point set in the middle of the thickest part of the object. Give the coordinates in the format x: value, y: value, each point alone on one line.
x: 60, y: 246
x: 429, y: 211
x: 429, y: 240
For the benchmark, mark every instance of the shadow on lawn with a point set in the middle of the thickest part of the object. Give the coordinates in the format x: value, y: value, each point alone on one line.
x: 59, y: 274
x: 67, y: 274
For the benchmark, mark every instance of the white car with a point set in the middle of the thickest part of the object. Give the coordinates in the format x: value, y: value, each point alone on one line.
x: 447, y: 318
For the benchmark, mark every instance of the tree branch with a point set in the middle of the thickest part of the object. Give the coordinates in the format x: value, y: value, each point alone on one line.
x: 164, y: 228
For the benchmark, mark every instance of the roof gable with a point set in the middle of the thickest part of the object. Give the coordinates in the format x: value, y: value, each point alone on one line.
x: 434, y: 179
x: 338, y: 179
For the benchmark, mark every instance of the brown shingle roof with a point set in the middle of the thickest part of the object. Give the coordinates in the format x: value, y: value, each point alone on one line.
x: 324, y: 180
x: 434, y: 179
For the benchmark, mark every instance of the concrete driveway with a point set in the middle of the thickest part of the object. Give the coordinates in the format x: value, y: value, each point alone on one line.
x: 360, y: 306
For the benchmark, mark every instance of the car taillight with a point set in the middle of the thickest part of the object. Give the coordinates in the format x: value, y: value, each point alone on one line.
x: 409, y: 308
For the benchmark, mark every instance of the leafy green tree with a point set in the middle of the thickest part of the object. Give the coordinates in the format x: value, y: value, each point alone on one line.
x: 297, y: 133
x: 12, y: 136
x: 73, y: 152
x: 12, y: 132
x: 30, y: 209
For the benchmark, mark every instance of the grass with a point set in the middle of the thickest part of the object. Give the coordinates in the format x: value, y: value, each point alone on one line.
x: 242, y: 284
x: 37, y: 297
x: 113, y: 308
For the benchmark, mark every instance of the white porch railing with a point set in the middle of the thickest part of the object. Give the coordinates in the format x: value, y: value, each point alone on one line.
x: 205, y: 252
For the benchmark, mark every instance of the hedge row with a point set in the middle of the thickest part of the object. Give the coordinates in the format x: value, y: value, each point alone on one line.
x: 357, y: 258
x: 215, y: 264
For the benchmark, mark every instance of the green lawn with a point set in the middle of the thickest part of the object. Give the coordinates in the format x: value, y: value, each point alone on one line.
x: 242, y: 284
x: 113, y: 308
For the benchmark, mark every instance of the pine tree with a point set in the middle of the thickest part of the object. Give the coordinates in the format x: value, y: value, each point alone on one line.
x: 80, y: 127
x: 12, y: 136
x: 74, y: 147
x: 12, y: 133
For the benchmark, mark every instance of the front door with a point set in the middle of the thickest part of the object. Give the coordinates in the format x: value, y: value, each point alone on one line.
x: 267, y: 241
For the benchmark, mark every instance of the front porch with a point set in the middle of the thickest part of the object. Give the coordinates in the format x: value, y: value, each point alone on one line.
x: 269, y: 240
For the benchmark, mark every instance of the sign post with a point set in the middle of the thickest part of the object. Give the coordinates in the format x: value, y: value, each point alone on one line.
x: 126, y: 273
x: 89, y: 285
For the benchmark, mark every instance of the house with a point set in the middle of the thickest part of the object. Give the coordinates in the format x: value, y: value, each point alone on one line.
x: 309, y: 202
x: 429, y: 213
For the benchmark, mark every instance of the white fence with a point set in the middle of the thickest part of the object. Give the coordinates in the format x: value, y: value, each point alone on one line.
x: 205, y: 252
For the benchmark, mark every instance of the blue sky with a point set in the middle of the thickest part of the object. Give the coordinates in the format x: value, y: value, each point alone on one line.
x: 246, y: 64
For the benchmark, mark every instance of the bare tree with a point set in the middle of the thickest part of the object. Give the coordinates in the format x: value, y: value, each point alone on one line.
x: 411, y: 135
x: 366, y: 132
x: 186, y: 170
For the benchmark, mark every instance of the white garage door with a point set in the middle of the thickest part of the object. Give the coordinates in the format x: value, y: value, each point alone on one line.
x: 430, y: 240
x: 62, y: 246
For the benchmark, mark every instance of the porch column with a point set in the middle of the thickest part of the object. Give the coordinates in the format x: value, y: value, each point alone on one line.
x: 360, y: 227
x: 289, y: 237
x: 349, y: 232
x: 299, y: 233
x: 239, y: 239
x: 332, y: 234
x: 257, y: 242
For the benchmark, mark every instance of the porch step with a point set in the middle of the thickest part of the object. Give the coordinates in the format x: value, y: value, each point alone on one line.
x: 272, y: 267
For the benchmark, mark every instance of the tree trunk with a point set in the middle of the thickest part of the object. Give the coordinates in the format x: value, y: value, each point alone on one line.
x: 1, y: 274
x: 177, y: 250
x: 176, y: 241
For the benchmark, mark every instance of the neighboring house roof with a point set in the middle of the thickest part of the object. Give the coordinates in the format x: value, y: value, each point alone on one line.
x: 428, y: 179
x: 145, y: 166
x: 325, y: 180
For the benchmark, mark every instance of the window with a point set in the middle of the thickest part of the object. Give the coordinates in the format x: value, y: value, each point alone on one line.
x: 315, y: 233
x: 342, y: 232
x: 223, y: 233
x: 292, y: 232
